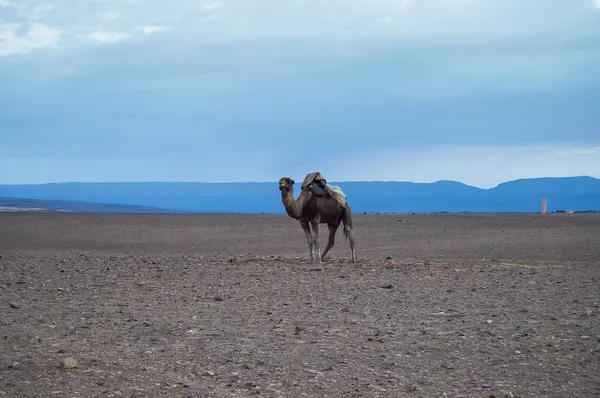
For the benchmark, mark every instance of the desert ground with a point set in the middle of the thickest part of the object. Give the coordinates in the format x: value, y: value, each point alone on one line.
x: 456, y: 305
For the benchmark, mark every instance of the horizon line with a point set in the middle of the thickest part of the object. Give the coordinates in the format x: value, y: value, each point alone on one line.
x: 274, y: 181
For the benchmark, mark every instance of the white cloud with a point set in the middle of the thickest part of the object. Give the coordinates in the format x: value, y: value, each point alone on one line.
x: 7, y: 4
x: 110, y: 15
x: 578, y: 151
x: 107, y: 37
x: 212, y: 6
x: 358, y: 18
x: 149, y: 29
x: 441, y: 20
x: 40, y: 8
x: 546, y: 47
x: 36, y: 36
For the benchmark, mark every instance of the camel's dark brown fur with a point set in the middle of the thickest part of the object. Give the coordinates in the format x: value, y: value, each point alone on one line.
x: 311, y: 211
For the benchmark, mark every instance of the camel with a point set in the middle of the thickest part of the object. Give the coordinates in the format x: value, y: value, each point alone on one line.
x: 311, y: 210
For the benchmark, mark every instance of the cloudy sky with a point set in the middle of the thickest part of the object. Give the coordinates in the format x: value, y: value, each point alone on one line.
x: 480, y: 91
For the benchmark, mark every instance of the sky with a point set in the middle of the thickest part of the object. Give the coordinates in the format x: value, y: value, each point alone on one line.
x: 478, y: 91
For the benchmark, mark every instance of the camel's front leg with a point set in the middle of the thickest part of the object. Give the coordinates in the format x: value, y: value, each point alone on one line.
x: 315, y: 236
x: 306, y: 227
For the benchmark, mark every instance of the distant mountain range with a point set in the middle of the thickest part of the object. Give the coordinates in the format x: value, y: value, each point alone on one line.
x: 20, y: 205
x: 524, y: 195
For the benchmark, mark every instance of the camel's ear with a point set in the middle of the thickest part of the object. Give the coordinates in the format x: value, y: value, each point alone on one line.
x: 293, y: 182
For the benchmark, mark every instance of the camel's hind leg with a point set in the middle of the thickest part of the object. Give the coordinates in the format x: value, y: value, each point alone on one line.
x: 347, y: 220
x: 332, y: 230
x: 351, y: 239
x: 306, y: 227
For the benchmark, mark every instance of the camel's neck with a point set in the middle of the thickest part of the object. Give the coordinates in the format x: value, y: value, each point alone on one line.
x: 290, y: 204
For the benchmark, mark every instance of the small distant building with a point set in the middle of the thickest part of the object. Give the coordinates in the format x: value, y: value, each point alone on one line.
x: 544, y: 205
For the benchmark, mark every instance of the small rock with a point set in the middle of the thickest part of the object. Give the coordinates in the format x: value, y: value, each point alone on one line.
x: 388, y: 286
x: 218, y: 298
x: 14, y: 305
x: 485, y: 386
x: 298, y: 329
x: 489, y: 321
x: 68, y: 363
x: 587, y: 312
x: 208, y: 373
x: 388, y: 258
x: 328, y: 369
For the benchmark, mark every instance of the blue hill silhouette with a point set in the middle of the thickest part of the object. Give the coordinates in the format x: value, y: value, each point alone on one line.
x: 524, y: 195
x: 20, y: 204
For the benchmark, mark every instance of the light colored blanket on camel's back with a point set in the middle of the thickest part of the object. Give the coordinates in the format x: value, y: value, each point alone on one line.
x: 336, y: 192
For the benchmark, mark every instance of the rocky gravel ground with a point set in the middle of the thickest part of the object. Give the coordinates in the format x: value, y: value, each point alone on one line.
x: 226, y: 305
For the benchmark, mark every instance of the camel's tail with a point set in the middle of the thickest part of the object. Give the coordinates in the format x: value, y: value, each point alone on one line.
x: 347, y: 220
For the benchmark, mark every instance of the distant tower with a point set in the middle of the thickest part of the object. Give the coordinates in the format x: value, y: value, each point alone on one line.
x: 544, y: 205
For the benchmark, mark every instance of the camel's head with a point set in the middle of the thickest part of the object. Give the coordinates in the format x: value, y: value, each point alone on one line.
x: 286, y: 184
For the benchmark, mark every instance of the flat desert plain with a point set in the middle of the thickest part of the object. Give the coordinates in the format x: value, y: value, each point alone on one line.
x: 456, y: 305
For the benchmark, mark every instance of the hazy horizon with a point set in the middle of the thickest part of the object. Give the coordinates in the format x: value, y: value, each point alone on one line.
x: 475, y: 91
x: 297, y: 182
